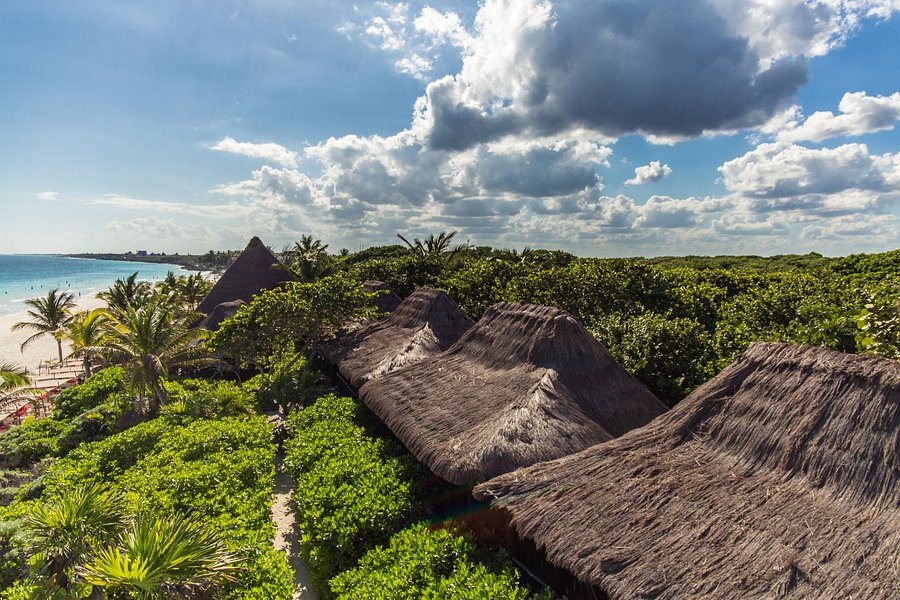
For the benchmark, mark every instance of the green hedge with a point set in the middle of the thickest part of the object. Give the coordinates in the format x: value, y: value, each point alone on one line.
x: 352, y: 490
x: 423, y: 563
x: 219, y: 471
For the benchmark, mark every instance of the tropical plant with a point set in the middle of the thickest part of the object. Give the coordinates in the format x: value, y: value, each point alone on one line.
x: 148, y: 342
x: 49, y: 316
x: 86, y: 332
x: 64, y: 531
x: 157, y: 557
x: 13, y: 379
x: 310, y: 259
x: 433, y: 246
x: 192, y: 289
x: 297, y: 315
x: 126, y: 292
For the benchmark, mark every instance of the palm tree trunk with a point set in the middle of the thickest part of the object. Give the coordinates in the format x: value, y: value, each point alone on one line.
x: 59, y: 347
x: 87, y: 365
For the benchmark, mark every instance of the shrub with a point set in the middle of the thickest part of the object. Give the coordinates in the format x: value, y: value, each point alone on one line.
x: 96, y: 390
x: 202, y: 398
x: 670, y: 356
x: 423, y: 563
x: 353, y: 491
x: 219, y: 471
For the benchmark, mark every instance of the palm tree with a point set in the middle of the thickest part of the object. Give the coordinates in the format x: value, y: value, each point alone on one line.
x: 49, y: 316
x: 149, y: 341
x: 192, y: 289
x: 61, y: 533
x: 433, y: 246
x: 125, y: 292
x: 14, y: 380
x: 310, y: 259
x: 163, y: 558
x: 86, y: 332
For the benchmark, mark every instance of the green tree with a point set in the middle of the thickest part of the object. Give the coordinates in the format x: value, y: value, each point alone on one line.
x: 126, y: 292
x: 49, y: 316
x: 148, y: 342
x: 310, y: 259
x: 299, y: 315
x: 85, y: 333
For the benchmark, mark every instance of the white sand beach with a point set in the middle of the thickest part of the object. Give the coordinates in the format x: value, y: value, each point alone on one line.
x: 40, y: 350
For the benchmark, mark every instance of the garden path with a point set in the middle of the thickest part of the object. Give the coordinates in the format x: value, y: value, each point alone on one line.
x: 287, y: 535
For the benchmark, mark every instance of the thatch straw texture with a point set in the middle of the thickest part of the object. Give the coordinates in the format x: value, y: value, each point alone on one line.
x: 223, y: 311
x: 780, y: 477
x: 386, y: 301
x: 424, y: 324
x: 252, y: 272
x: 526, y: 384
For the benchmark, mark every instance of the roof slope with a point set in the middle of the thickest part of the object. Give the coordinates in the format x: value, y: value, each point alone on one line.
x: 527, y: 383
x: 424, y: 324
x: 220, y: 313
x: 780, y: 477
x: 252, y: 272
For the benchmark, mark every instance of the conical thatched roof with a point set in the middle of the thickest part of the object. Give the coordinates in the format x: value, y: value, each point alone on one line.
x: 386, y: 301
x: 223, y: 311
x: 778, y: 478
x: 252, y: 272
x: 424, y: 324
x: 527, y: 383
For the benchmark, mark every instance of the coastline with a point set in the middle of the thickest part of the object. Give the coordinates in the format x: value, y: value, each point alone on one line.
x: 40, y: 350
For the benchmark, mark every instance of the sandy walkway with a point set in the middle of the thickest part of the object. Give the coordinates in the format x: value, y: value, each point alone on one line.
x: 42, y: 349
x: 287, y: 537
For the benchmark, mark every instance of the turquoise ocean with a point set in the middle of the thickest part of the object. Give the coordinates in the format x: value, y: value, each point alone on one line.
x: 24, y: 276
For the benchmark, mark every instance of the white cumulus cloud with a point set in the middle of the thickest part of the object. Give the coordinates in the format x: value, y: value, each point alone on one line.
x: 860, y: 114
x: 781, y: 170
x: 649, y: 173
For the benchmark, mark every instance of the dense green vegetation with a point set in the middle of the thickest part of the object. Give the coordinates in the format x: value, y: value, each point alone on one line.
x: 216, y: 471
x: 357, y: 493
x: 143, y: 450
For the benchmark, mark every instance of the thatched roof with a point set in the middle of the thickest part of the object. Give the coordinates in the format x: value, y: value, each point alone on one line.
x: 252, y: 272
x: 780, y: 477
x: 526, y: 384
x: 424, y: 324
x: 386, y: 301
x: 223, y: 311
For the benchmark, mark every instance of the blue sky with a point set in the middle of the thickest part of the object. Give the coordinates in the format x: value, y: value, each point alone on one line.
x: 603, y: 127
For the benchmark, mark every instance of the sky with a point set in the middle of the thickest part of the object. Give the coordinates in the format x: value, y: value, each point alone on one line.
x: 601, y: 127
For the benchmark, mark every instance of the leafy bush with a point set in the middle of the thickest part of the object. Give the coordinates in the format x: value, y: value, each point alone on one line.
x: 289, y: 383
x: 203, y: 398
x: 422, y: 563
x: 353, y: 491
x: 96, y: 390
x: 219, y: 471
x: 32, y: 441
x: 670, y: 356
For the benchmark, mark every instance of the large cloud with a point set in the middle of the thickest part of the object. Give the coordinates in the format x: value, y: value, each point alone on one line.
x: 860, y: 114
x: 653, y: 66
x: 511, y: 148
x: 781, y: 170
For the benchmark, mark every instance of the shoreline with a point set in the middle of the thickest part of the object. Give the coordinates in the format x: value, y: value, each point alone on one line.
x: 40, y: 350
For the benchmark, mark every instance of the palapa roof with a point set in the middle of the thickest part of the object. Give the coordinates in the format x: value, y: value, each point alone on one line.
x: 386, y: 301
x: 222, y: 311
x: 780, y: 477
x: 252, y: 272
x: 526, y: 384
x: 424, y: 324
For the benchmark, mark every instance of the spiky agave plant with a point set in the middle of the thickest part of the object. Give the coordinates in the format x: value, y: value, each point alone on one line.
x: 64, y: 531
x: 157, y: 557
